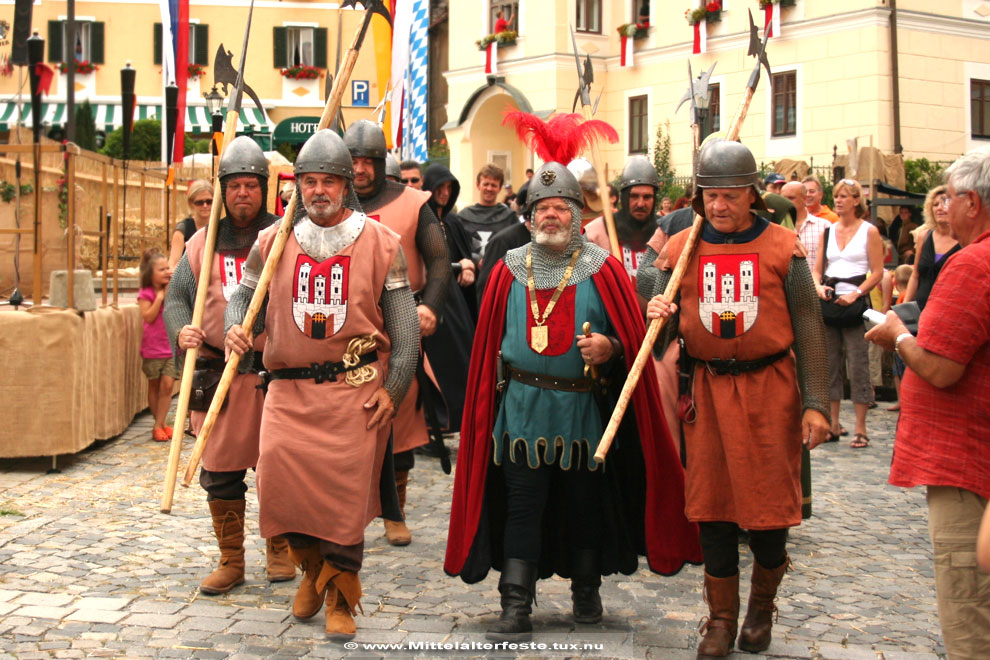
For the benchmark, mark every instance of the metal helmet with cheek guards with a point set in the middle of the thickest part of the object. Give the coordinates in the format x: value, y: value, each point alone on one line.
x: 639, y: 171
x: 365, y: 139
x: 325, y: 152
x: 243, y: 156
x: 725, y: 164
x: 553, y: 180
x: 392, y: 168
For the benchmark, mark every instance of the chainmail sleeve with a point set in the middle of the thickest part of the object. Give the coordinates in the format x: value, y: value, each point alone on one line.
x: 809, y: 336
x: 402, y: 326
x: 646, y: 275
x: 240, y: 300
x: 432, y: 245
x: 179, y: 301
x: 668, y: 332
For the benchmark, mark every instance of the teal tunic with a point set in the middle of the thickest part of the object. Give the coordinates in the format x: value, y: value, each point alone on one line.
x: 548, y: 425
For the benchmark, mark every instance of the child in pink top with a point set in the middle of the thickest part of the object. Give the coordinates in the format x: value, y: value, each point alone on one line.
x: 157, y: 362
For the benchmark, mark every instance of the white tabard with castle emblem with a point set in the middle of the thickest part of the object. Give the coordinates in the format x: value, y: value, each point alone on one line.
x: 729, y: 293
x: 319, y: 300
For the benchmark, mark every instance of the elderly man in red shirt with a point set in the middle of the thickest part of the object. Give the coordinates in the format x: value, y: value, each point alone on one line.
x: 943, y: 436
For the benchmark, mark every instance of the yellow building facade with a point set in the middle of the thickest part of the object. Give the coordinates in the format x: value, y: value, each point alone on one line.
x: 113, y: 33
x: 832, y: 66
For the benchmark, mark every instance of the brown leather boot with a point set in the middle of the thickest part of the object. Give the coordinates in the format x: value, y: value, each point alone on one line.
x: 228, y: 526
x: 277, y: 563
x: 719, y: 630
x: 760, y: 613
x: 309, y: 599
x: 343, y: 590
x: 395, y: 530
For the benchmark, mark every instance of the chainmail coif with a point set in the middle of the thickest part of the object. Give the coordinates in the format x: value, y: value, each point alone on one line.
x: 549, y: 265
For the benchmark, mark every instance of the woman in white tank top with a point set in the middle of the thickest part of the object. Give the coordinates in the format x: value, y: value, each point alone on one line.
x: 853, y: 256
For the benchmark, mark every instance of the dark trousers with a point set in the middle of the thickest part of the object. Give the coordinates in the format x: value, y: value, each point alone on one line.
x: 223, y: 485
x: 404, y: 460
x: 344, y: 557
x: 720, y: 546
x: 527, y: 491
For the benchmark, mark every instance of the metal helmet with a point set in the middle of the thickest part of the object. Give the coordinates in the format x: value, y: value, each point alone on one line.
x: 392, y: 167
x: 326, y: 153
x: 725, y: 164
x: 639, y: 171
x: 365, y: 139
x: 243, y: 156
x: 553, y: 180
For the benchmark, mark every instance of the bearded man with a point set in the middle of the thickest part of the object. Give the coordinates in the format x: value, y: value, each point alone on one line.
x: 558, y: 329
x: 243, y: 172
x: 405, y: 211
x: 340, y: 354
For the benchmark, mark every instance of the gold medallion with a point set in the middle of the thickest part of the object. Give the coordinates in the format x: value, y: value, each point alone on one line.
x: 539, y: 338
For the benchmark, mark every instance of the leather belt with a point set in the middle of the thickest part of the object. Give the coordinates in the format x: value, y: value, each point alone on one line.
x: 219, y: 364
x: 328, y: 371
x: 549, y: 382
x: 733, y: 367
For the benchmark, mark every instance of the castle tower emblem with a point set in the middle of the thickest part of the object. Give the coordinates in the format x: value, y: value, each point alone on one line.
x: 319, y: 306
x: 729, y: 293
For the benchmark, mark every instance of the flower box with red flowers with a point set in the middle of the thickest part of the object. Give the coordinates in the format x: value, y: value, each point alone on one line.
x: 782, y: 3
x: 195, y: 70
x: 711, y: 12
x: 634, y: 30
x: 506, y: 38
x: 302, y: 72
x: 82, y: 66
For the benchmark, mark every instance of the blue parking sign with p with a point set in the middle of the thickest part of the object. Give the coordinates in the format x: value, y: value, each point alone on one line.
x: 359, y: 92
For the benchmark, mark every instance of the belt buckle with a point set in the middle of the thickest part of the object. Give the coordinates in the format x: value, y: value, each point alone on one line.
x: 323, y: 372
x: 724, y: 368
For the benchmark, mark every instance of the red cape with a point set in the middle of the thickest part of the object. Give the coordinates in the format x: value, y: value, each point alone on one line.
x: 671, y: 540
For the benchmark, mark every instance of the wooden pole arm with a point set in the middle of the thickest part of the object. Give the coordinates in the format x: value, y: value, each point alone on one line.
x: 596, y: 160
x: 271, y: 263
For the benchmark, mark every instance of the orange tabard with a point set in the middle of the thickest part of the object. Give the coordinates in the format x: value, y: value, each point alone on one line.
x: 744, y: 450
x: 401, y: 215
x: 319, y: 466
x: 234, y: 441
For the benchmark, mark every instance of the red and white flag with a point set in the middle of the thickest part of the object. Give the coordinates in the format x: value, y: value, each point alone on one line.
x: 700, y: 37
x: 491, y: 58
x: 626, y: 58
x: 771, y: 23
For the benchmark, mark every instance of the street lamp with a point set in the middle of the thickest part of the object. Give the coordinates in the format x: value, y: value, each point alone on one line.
x: 214, y: 101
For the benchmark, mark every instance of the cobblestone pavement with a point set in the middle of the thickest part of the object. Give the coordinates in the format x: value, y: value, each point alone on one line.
x: 90, y: 568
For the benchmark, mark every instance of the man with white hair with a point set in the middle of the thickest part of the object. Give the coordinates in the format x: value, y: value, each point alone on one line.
x: 559, y: 327
x: 809, y: 227
x: 943, y: 436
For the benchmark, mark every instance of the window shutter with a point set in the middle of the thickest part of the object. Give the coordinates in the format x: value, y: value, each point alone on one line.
x: 320, y: 47
x: 280, y: 40
x: 202, y: 44
x: 55, y: 41
x: 96, y: 42
x: 158, y: 43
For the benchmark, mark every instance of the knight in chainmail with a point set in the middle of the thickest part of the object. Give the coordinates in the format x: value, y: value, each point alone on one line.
x: 559, y: 327
x: 751, y: 324
x: 405, y: 211
x: 339, y: 302
x: 233, y: 446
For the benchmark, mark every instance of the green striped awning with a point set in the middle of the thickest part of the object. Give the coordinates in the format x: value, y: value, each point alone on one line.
x: 108, y: 117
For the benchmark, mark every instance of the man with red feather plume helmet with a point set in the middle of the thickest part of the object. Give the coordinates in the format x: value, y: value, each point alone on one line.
x: 558, y: 329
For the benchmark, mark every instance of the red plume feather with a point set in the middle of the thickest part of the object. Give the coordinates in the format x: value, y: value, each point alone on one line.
x: 562, y: 138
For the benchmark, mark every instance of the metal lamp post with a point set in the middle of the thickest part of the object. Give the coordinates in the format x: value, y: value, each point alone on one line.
x: 214, y: 103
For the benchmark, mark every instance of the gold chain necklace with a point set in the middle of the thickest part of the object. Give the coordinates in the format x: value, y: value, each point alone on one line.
x: 539, y: 335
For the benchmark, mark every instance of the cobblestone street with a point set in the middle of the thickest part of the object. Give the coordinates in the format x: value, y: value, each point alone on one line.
x: 90, y: 568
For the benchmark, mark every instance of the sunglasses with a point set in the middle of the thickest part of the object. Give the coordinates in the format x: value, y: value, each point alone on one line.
x: 203, y: 202
x: 413, y: 179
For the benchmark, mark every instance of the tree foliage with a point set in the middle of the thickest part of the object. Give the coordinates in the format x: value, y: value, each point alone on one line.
x: 146, y: 141
x: 921, y: 174
x: 85, y: 126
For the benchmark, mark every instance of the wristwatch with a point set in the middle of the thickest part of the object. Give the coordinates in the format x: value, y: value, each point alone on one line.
x: 897, y: 342
x: 859, y: 292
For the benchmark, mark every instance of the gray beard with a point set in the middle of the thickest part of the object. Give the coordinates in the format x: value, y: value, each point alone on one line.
x: 335, y: 207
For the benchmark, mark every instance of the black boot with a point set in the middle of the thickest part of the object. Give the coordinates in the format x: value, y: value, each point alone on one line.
x: 585, y: 580
x: 517, y: 587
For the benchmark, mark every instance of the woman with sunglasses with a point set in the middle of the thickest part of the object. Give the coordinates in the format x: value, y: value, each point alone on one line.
x: 933, y: 244
x: 852, y: 266
x: 199, y: 196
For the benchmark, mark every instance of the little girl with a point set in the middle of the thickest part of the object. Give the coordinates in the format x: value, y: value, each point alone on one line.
x: 157, y: 362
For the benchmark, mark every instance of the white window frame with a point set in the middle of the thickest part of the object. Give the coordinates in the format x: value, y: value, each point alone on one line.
x: 720, y: 81
x: 971, y: 71
x: 83, y: 31
x: 785, y: 146
x: 651, y: 136
x: 301, y: 35
x: 495, y: 157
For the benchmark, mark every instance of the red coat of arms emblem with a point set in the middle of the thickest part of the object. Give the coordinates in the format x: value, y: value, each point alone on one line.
x: 319, y: 301
x: 231, y: 271
x: 729, y: 293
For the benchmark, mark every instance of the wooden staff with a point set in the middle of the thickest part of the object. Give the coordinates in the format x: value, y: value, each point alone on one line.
x: 230, y: 371
x: 632, y: 379
x: 202, y: 287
